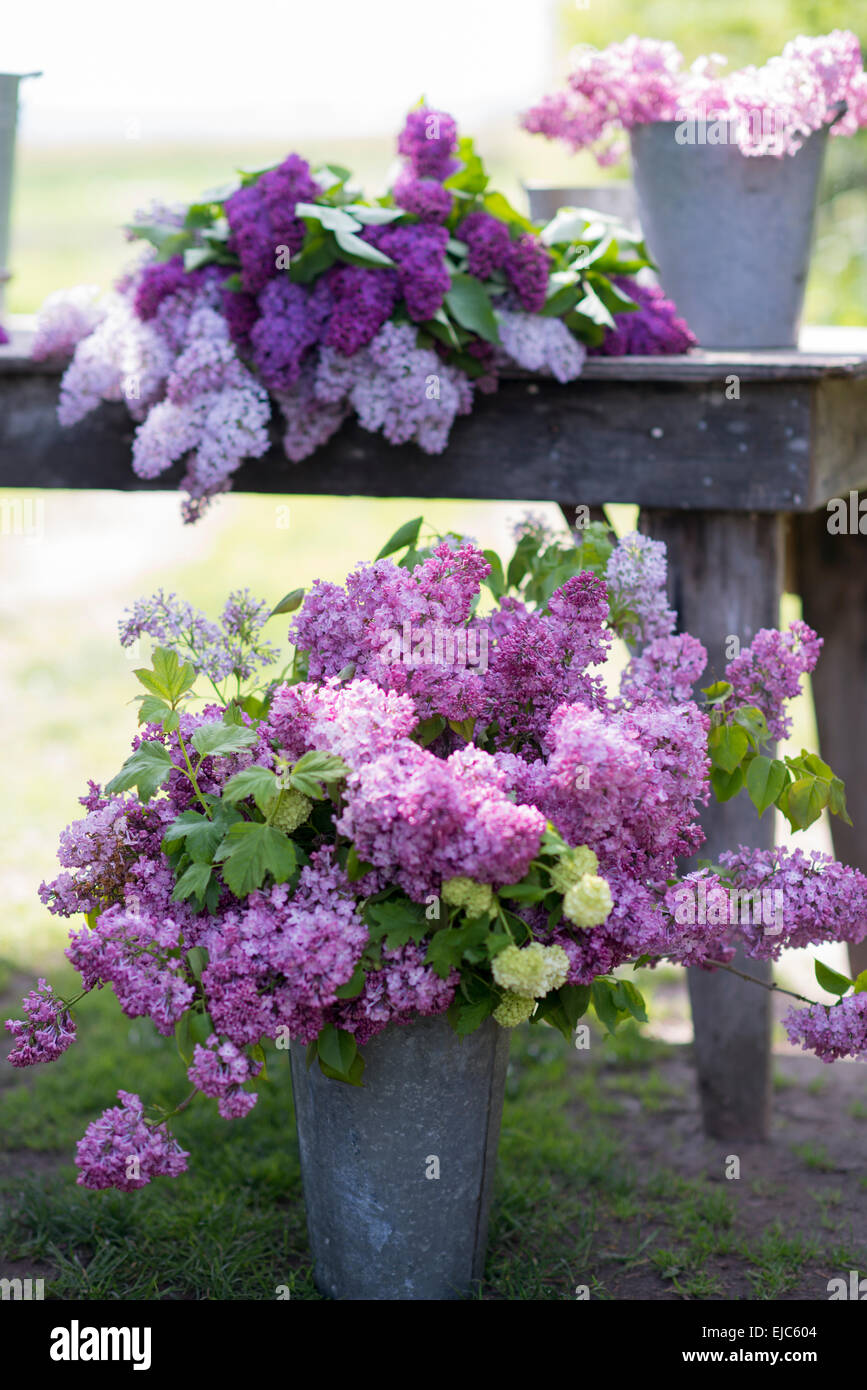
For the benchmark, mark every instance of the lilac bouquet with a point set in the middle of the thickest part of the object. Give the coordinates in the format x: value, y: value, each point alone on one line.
x: 816, y: 81
x: 439, y: 807
x: 287, y: 292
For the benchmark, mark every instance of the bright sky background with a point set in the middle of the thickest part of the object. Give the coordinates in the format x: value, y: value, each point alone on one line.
x: 156, y: 69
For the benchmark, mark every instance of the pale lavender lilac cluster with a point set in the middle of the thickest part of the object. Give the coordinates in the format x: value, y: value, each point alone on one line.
x: 772, y: 109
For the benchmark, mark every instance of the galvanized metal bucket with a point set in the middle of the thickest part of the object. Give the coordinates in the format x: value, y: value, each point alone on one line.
x: 615, y: 199
x: 9, y: 83
x: 398, y: 1173
x: 731, y: 233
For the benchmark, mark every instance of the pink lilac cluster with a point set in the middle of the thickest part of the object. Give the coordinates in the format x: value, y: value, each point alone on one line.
x: 541, y: 660
x: 422, y: 819
x: 219, y: 1070
x: 770, y: 110
x: 123, y: 1151
x: 47, y: 1031
x: 831, y: 1031
x: 129, y: 949
x: 654, y: 329
x: 768, y: 672
x: 636, y: 575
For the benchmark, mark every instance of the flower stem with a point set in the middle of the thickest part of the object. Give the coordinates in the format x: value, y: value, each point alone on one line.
x: 773, y: 986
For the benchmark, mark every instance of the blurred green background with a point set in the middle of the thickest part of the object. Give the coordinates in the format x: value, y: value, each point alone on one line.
x: 70, y: 201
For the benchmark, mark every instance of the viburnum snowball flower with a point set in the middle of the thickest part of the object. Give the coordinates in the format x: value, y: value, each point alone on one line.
x: 571, y: 868
x: 531, y: 971
x: 513, y: 1009
x: 474, y: 898
x: 588, y: 902
x: 293, y: 809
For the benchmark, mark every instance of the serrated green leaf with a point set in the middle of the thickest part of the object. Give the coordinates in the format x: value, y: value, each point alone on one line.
x: 448, y: 947
x: 193, y: 883
x: 396, y: 921
x: 201, y: 834
x: 255, y: 781
x: 220, y: 738
x: 152, y: 710
x: 250, y: 851
x: 146, y: 769
x: 168, y: 679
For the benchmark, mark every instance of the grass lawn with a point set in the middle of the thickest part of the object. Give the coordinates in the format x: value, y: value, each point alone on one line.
x: 580, y: 1200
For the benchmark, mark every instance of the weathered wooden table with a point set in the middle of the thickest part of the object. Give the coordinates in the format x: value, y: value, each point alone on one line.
x: 731, y: 457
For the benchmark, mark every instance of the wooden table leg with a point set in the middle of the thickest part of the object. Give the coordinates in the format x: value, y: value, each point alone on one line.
x: 725, y: 580
x: 831, y: 576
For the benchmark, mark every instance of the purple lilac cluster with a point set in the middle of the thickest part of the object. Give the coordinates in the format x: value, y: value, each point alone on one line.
x: 262, y: 219
x: 541, y: 344
x: 364, y: 624
x: 653, y: 329
x: 768, y: 672
x: 772, y: 109
x: 822, y: 900
x: 47, y: 1031
x: 831, y: 1031
x: 123, y: 1151
x: 667, y: 669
